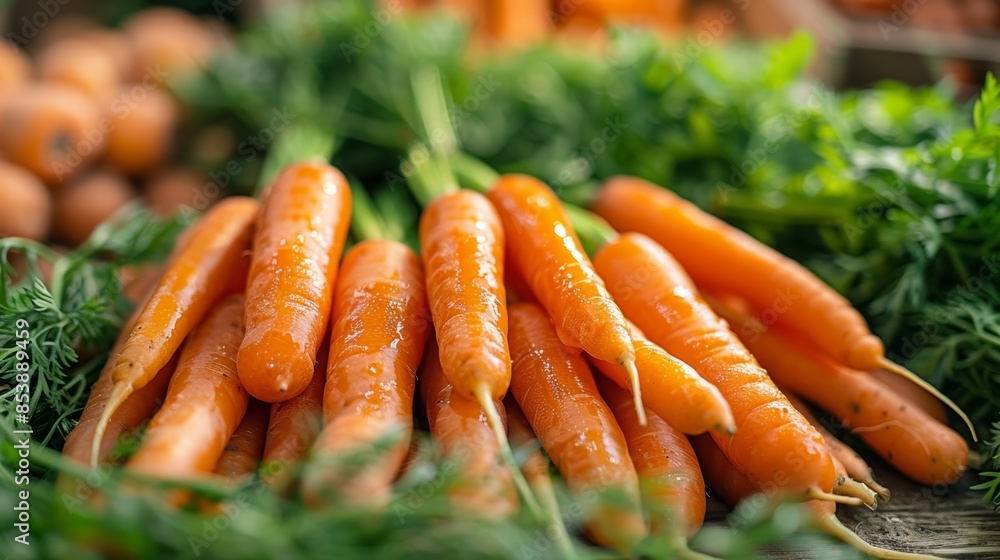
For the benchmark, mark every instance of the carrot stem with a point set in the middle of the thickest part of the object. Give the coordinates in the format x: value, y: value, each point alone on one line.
x: 919, y: 381
x: 365, y: 221
x: 298, y: 142
x: 472, y: 173
x: 496, y: 424
x: 592, y: 230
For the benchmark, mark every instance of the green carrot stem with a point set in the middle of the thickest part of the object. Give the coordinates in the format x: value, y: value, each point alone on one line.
x: 592, y: 230
x: 365, y: 220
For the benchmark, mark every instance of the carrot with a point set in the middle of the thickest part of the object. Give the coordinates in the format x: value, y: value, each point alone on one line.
x: 25, y: 203
x: 672, y: 389
x: 660, y: 298
x: 462, y: 244
x: 204, y: 401
x: 196, y: 277
x: 242, y: 455
x: 81, y: 206
x: 700, y: 242
x: 665, y: 462
x: 293, y: 266
x: 294, y: 425
x: 546, y: 251
x: 517, y: 23
x: 376, y: 343
x: 143, y: 128
x: 169, y: 39
x: 536, y: 471
x: 555, y: 388
x: 733, y: 487
x: 916, y: 395
x: 485, y: 485
x: 914, y: 443
x: 81, y: 65
x: 49, y: 129
x: 15, y: 70
x: 846, y: 459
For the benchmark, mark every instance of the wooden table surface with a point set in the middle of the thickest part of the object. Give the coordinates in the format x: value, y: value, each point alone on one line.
x: 949, y: 522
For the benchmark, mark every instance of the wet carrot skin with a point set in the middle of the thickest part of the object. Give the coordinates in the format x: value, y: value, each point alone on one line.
x: 194, y: 280
x: 242, y: 454
x: 381, y: 324
x: 545, y: 250
x: 204, y: 403
x: 297, y: 245
x: 709, y: 249
x: 553, y: 385
x: 462, y: 245
x: 485, y: 486
x: 656, y: 294
x: 294, y: 425
x: 672, y: 389
x: 665, y: 462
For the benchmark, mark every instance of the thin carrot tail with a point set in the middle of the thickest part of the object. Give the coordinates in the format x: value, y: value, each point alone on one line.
x: 833, y: 527
x: 550, y: 504
x: 633, y: 383
x: 882, y: 491
x: 681, y: 550
x: 496, y: 424
x: 853, y: 488
x: 118, y: 395
x: 920, y: 382
x: 817, y: 494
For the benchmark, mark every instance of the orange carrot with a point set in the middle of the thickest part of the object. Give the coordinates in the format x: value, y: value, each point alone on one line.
x: 198, y: 275
x: 294, y: 425
x: 462, y: 244
x: 666, y: 464
x: 517, y: 23
x: 914, y: 443
x: 296, y: 250
x: 242, y: 455
x: 733, y: 487
x: 555, y: 388
x: 672, y: 389
x: 204, y: 401
x: 380, y: 327
x: 656, y: 293
x: 485, y: 485
x: 847, y: 484
x: 916, y: 395
x: 546, y: 251
x: 702, y: 243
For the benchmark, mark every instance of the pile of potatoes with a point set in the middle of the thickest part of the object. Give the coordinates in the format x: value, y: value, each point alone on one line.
x: 87, y: 122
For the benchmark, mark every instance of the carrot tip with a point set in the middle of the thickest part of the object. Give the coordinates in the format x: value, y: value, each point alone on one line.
x: 496, y: 424
x: 882, y: 491
x: 817, y: 494
x: 833, y: 527
x: 119, y: 393
x: 920, y: 382
x: 628, y: 363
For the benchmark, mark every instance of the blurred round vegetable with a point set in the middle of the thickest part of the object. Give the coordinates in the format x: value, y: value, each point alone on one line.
x: 180, y: 188
x: 82, y: 206
x: 143, y: 121
x: 25, y: 204
x: 80, y: 64
x: 117, y: 46
x: 52, y: 130
x: 167, y: 39
x: 15, y: 71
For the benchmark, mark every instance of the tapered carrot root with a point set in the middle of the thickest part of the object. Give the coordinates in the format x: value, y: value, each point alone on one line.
x: 700, y: 242
x: 462, y: 243
x: 485, y: 486
x: 547, y: 252
x: 914, y: 443
x: 732, y: 487
x: 242, y: 455
x: 850, y: 466
x: 556, y: 391
x: 912, y: 393
x: 293, y: 427
x: 196, y: 277
x: 656, y: 294
x: 674, y: 391
x: 204, y: 402
x: 296, y: 250
x: 380, y: 325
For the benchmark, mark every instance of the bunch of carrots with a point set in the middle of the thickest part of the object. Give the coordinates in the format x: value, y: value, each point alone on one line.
x: 265, y: 346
